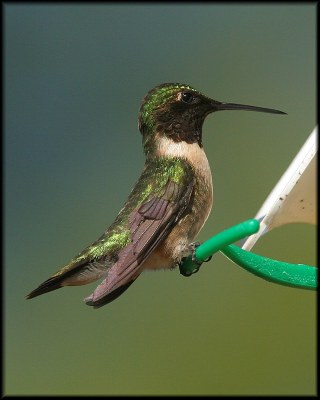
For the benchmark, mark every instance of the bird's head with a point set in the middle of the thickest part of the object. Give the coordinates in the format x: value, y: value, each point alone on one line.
x: 177, y: 111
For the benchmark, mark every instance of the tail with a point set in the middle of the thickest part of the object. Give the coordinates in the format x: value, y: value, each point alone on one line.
x: 50, y: 284
x: 73, y: 274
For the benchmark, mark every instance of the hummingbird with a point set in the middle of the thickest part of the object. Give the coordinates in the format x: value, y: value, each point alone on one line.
x: 166, y: 208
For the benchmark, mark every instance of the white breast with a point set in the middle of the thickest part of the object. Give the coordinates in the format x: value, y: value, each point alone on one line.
x: 191, y: 152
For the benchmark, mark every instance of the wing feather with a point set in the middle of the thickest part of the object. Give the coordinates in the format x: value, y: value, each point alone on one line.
x: 156, y: 202
x: 149, y: 224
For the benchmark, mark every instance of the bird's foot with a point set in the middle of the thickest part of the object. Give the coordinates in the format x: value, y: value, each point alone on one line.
x: 193, y: 247
x: 190, y: 264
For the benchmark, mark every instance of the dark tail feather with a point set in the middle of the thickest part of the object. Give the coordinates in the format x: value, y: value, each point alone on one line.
x: 50, y: 284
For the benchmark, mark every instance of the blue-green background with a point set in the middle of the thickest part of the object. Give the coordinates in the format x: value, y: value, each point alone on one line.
x: 74, y: 79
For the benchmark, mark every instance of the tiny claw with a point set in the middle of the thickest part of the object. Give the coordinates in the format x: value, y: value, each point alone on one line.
x: 192, y: 246
x: 189, y: 265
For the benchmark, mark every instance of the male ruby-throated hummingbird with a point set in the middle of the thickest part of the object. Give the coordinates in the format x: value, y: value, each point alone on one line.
x: 168, y: 205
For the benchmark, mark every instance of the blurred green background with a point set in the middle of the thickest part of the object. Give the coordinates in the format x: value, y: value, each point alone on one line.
x: 74, y: 79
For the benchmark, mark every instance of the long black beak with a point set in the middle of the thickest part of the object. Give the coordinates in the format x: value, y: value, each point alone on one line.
x: 231, y: 106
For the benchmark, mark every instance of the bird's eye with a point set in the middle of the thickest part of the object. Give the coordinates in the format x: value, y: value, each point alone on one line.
x: 187, y: 97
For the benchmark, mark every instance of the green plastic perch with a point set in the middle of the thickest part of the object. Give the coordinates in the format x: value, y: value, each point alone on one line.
x: 295, y: 275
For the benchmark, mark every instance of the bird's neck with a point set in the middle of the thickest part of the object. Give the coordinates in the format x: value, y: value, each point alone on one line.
x: 191, y: 152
